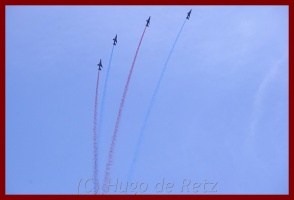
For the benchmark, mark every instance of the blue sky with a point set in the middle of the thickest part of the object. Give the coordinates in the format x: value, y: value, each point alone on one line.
x: 220, y: 115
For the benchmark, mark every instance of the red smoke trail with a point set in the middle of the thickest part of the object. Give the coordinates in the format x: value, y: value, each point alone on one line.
x: 110, y: 154
x: 95, y: 134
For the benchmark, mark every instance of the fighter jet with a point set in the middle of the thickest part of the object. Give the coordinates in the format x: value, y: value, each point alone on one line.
x: 189, y: 13
x: 115, y: 40
x: 100, y: 65
x: 148, y: 21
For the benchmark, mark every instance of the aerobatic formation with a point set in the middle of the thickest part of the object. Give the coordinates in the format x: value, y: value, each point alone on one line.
x: 97, y: 134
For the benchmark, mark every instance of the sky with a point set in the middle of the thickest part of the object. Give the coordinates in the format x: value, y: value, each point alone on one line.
x: 219, y: 122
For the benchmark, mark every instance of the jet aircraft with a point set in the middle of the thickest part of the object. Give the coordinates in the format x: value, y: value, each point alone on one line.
x: 148, y: 21
x: 115, y: 40
x: 189, y: 13
x: 100, y: 65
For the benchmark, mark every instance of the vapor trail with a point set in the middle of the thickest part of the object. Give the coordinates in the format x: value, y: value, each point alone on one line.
x: 95, y: 133
x: 102, y: 106
x: 150, y: 107
x: 112, y: 146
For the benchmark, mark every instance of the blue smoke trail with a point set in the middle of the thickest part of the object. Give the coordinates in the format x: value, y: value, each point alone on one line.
x: 102, y: 105
x: 150, y: 107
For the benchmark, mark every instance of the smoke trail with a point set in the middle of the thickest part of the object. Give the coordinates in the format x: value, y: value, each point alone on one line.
x: 102, y: 106
x: 150, y: 108
x: 95, y: 133
x: 110, y: 154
